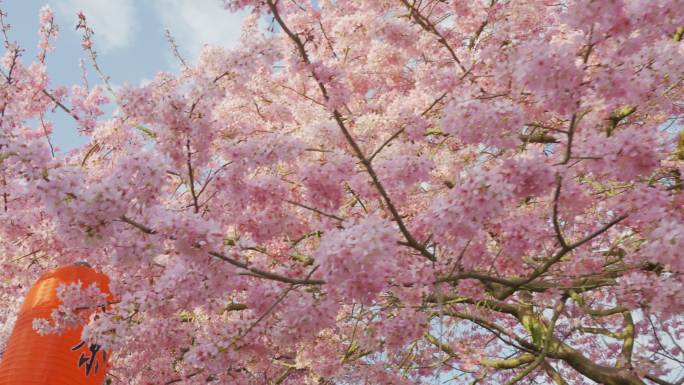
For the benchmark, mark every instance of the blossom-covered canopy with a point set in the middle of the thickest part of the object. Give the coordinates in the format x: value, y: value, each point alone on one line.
x: 369, y: 192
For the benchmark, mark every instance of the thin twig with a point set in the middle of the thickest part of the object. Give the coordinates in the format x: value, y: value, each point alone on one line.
x: 174, y: 48
x: 560, y: 254
x: 331, y: 216
x: 60, y: 105
x: 425, y: 23
x: 191, y: 176
x: 257, y: 272
x: 273, y: 306
x: 266, y: 274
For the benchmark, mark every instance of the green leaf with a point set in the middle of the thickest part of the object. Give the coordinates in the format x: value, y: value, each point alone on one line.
x: 186, y: 316
x: 618, y: 115
x: 678, y: 34
x: 146, y: 131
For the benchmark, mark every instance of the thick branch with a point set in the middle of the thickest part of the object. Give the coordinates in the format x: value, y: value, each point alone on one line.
x: 495, y: 329
x: 628, y: 345
x: 595, y: 312
x: 510, y: 363
x: 602, y: 331
x: 553, y: 374
x: 546, y: 341
x: 485, y: 303
x: 601, y: 374
x: 538, y: 138
x: 663, y: 382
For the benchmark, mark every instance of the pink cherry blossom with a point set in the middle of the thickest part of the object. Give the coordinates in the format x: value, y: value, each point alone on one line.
x: 366, y: 192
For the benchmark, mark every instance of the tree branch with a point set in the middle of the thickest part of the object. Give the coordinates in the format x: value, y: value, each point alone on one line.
x: 553, y: 374
x: 510, y: 363
x: 337, y: 116
x: 425, y: 23
x: 331, y: 216
x: 191, y: 176
x: 256, y: 272
x: 556, y: 225
x: 663, y: 382
x: 266, y: 274
x: 560, y: 254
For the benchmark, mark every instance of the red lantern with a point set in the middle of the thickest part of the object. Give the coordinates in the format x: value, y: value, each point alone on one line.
x: 53, y: 359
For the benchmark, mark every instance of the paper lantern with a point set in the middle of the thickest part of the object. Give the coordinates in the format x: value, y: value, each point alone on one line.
x: 32, y: 359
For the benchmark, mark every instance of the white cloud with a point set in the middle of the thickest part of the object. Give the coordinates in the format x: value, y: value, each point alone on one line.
x: 198, y: 22
x: 114, y: 21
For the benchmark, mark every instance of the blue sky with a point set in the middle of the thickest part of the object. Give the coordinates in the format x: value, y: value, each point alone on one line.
x: 129, y: 37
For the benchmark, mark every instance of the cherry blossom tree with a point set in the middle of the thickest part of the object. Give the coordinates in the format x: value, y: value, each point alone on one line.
x: 369, y: 192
